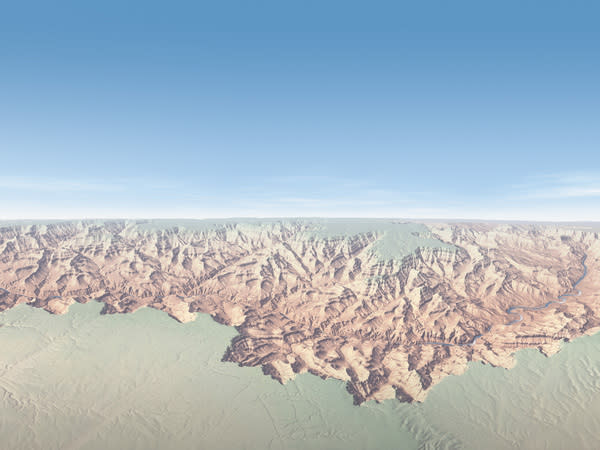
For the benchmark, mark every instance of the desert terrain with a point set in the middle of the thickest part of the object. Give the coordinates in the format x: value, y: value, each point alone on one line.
x: 391, y: 308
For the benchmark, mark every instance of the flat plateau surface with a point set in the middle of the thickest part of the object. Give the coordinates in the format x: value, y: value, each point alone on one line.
x: 143, y: 381
x: 390, y: 308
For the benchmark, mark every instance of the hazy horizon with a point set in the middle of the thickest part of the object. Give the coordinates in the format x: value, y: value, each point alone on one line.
x: 181, y: 221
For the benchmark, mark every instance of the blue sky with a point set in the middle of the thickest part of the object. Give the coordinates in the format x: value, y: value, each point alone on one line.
x: 182, y: 109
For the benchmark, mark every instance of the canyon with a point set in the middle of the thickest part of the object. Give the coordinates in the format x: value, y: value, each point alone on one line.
x: 389, y: 307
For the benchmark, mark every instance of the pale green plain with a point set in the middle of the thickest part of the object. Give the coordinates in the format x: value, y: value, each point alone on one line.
x: 396, y: 239
x: 143, y: 380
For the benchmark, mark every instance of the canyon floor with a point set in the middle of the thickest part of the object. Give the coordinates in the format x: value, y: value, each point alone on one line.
x: 389, y: 307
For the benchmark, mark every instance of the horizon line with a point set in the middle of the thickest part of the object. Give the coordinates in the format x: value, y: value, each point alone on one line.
x: 336, y: 218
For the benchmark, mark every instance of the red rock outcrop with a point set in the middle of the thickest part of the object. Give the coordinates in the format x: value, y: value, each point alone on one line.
x: 330, y: 306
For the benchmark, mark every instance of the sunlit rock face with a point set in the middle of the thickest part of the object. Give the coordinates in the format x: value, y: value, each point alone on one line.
x: 391, y: 308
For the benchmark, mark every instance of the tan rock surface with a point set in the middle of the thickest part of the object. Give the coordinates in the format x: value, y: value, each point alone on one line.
x: 330, y: 305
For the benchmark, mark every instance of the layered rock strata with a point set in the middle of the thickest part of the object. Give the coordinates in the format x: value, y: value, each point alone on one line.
x: 331, y: 306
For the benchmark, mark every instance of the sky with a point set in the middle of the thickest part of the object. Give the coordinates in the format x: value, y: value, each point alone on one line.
x: 463, y: 109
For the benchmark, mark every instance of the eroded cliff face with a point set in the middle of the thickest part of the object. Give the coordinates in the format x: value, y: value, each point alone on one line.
x: 333, y: 305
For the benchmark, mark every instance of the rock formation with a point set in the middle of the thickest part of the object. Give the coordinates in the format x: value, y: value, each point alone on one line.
x: 331, y: 305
